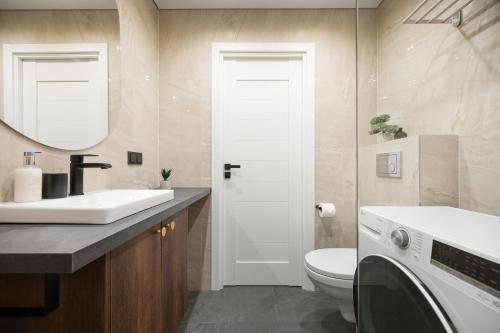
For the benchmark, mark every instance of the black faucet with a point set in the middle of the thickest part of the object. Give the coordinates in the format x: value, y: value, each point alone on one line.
x: 76, y: 172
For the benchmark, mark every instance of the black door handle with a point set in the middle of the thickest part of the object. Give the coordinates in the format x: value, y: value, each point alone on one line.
x: 228, y: 166
x: 227, y: 169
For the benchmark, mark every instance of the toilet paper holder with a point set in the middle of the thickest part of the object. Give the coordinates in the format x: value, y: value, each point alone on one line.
x: 326, y: 209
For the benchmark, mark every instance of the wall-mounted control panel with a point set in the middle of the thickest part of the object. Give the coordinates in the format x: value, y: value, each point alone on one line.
x: 134, y: 158
x: 389, y: 165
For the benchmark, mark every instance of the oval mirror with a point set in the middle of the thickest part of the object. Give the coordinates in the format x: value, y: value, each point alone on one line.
x: 59, y: 70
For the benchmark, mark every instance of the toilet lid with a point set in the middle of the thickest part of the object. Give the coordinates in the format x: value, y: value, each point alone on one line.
x: 335, y: 263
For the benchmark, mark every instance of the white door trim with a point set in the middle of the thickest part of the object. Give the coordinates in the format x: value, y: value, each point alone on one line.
x: 305, y: 51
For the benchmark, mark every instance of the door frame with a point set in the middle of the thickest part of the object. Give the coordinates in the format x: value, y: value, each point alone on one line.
x: 306, y: 52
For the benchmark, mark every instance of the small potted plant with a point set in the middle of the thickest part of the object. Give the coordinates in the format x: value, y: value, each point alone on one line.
x: 166, y: 183
x: 379, y: 125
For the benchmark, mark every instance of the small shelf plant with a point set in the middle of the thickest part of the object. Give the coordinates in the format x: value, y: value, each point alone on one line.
x: 379, y: 125
x: 166, y: 183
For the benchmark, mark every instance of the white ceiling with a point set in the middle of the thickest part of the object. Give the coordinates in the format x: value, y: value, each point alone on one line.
x: 57, y: 4
x: 188, y: 4
x: 214, y: 4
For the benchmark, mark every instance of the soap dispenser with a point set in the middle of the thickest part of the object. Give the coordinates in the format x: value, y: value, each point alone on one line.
x: 28, y: 180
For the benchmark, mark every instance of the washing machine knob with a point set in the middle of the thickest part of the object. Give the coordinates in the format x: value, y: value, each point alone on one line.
x: 400, y: 238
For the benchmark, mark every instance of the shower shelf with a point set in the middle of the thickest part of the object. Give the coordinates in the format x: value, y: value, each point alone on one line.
x: 438, y: 12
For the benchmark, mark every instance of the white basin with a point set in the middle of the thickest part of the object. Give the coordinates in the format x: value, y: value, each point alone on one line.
x: 100, y: 207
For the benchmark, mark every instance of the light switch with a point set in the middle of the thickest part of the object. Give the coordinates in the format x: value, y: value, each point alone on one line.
x: 134, y: 158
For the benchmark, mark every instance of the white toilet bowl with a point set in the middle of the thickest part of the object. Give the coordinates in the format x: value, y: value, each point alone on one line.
x: 332, y: 271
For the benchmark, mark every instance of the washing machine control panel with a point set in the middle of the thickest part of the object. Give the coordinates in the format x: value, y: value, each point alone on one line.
x: 405, y: 241
x: 480, y: 272
x: 400, y: 238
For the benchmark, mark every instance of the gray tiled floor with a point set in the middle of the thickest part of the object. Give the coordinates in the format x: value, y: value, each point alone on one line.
x: 262, y: 310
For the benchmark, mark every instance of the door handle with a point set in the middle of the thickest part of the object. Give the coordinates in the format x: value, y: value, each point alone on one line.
x: 227, y: 169
x: 229, y: 166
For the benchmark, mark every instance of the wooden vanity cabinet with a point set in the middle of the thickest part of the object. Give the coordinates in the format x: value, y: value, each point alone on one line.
x: 135, y: 284
x: 149, y: 279
x: 139, y: 287
x: 174, y: 267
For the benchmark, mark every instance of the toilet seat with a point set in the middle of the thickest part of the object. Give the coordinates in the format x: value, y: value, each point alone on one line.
x: 328, y: 281
x: 338, y: 263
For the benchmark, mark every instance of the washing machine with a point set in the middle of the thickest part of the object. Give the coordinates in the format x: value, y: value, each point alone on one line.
x: 428, y: 269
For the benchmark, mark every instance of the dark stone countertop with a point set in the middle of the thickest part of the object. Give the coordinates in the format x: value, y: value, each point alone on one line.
x: 56, y: 248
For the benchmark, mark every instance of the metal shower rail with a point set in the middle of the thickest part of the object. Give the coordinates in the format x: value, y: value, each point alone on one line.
x: 438, y: 12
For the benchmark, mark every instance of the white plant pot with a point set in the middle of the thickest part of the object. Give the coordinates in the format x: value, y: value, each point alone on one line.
x: 384, y: 137
x: 166, y: 184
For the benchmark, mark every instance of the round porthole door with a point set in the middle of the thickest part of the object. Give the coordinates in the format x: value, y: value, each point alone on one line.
x: 391, y: 299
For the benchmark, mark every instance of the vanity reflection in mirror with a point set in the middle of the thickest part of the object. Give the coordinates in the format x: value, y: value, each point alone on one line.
x: 59, y: 70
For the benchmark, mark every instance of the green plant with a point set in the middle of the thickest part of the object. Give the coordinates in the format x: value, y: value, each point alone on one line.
x: 379, y: 125
x: 166, y: 173
x: 383, y: 118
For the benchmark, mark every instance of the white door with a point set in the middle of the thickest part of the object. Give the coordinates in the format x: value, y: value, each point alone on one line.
x: 262, y: 106
x: 63, y: 101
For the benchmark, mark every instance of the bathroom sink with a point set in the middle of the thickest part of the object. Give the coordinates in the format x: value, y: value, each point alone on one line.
x: 100, y: 207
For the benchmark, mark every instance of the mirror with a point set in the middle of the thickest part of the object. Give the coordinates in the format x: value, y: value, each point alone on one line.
x: 59, y: 70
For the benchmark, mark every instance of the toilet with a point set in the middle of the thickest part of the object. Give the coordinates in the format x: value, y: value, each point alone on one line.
x: 332, y: 272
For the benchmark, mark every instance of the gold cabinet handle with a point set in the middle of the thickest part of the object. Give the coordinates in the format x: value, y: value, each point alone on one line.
x: 172, y: 225
x: 162, y: 231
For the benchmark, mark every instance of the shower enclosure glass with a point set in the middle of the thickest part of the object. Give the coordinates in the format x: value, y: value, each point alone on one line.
x: 428, y: 116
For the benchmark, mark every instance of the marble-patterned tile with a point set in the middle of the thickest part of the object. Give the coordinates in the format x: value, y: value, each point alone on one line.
x: 440, y: 80
x: 185, y: 85
x: 439, y: 170
x: 429, y: 172
x: 374, y: 190
x: 480, y: 172
x: 132, y: 37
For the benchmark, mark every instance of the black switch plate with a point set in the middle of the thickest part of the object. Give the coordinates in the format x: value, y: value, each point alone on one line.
x: 134, y: 158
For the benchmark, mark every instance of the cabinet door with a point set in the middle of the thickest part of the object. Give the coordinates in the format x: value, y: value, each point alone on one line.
x: 174, y: 257
x: 136, y: 285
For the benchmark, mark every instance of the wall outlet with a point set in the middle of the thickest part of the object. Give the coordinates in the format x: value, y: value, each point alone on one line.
x: 134, y: 158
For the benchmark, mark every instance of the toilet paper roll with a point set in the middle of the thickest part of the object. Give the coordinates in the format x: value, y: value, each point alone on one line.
x: 327, y: 209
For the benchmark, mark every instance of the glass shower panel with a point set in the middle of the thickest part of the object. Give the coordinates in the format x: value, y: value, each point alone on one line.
x: 430, y: 90
x: 428, y: 116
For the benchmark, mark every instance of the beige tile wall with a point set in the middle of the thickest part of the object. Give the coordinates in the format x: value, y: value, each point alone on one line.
x: 374, y: 191
x: 429, y: 172
x: 185, y: 108
x: 436, y: 79
x: 184, y: 124
x: 133, y: 117
x: 367, y: 73
x: 438, y: 168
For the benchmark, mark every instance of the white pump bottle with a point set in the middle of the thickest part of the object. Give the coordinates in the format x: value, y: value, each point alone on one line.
x: 28, y: 180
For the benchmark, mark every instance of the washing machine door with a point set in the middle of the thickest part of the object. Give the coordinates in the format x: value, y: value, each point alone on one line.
x: 392, y: 299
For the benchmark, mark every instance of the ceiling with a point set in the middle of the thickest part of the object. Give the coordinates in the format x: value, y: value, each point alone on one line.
x: 188, y: 4
x: 57, y: 4
x: 215, y: 4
